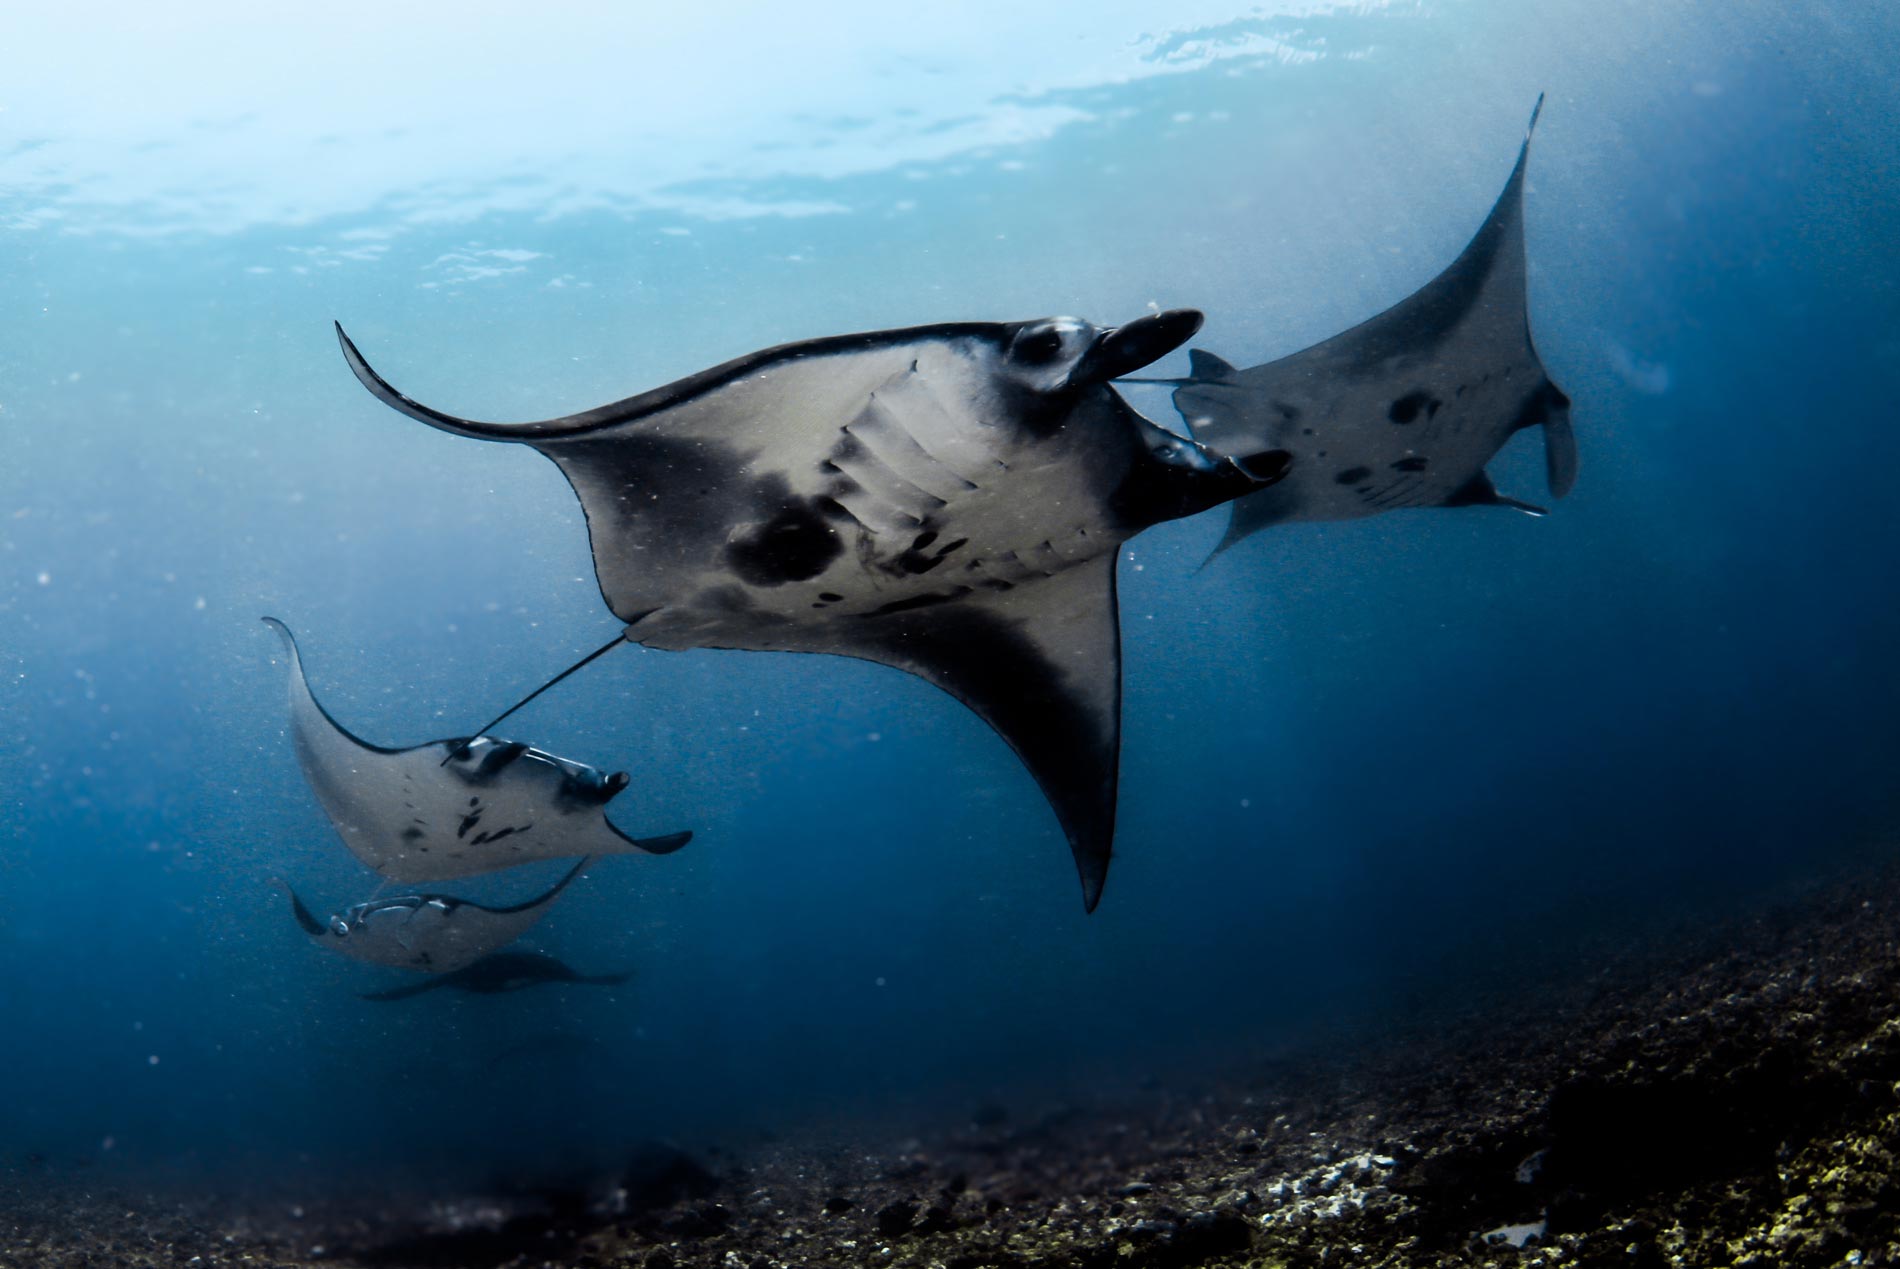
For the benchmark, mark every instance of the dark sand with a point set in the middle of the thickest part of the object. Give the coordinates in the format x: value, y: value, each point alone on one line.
x: 1729, y: 1096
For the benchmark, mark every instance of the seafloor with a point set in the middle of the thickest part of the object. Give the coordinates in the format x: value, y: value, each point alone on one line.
x: 1728, y: 1095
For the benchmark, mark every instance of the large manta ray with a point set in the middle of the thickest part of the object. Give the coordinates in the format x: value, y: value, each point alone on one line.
x: 944, y: 499
x: 433, y: 933
x: 453, y: 808
x: 1403, y: 410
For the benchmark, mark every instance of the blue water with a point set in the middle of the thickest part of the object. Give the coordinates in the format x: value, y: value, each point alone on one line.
x: 1366, y: 765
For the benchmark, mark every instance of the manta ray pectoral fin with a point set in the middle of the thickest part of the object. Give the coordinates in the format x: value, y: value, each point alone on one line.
x: 1040, y: 662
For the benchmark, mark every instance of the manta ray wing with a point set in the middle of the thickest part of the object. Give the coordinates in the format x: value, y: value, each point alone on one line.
x: 1405, y: 409
x: 414, y: 817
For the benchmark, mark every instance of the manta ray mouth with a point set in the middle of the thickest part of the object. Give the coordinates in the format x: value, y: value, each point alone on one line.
x: 1124, y: 349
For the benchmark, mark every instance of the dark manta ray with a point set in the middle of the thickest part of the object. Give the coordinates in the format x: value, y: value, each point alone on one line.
x: 943, y: 499
x: 1403, y: 410
x: 433, y: 933
x: 453, y: 808
x: 502, y: 972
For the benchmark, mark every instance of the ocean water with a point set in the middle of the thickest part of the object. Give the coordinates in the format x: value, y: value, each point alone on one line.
x: 1367, y: 766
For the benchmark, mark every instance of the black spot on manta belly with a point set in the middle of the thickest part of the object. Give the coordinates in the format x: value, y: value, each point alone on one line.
x: 1415, y: 463
x: 1407, y: 408
x: 914, y: 561
x: 1353, y: 475
x: 412, y: 834
x: 795, y: 545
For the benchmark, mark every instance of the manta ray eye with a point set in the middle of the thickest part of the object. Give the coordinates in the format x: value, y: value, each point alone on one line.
x: 1037, y: 347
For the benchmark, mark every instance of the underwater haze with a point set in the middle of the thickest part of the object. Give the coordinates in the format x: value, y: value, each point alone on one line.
x: 1367, y: 765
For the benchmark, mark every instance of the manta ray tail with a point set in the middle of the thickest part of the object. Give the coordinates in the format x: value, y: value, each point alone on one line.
x: 581, y: 664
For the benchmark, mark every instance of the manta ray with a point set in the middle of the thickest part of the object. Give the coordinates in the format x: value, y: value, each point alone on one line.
x: 433, y: 933
x: 453, y: 808
x: 500, y: 973
x: 947, y: 500
x: 1403, y: 410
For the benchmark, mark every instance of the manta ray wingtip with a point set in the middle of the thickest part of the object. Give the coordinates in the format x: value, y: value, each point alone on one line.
x: 283, y: 633
x: 665, y: 844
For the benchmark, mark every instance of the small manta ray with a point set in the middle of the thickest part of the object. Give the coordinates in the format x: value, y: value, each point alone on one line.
x: 453, y: 808
x: 1403, y: 410
x: 948, y: 500
x: 502, y: 972
x: 433, y: 933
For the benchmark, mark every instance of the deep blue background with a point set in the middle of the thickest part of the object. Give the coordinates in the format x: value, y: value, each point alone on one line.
x: 1363, y: 761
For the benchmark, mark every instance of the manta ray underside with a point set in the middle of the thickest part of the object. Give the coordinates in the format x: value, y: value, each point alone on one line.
x: 1403, y: 410
x: 944, y: 499
x: 453, y: 808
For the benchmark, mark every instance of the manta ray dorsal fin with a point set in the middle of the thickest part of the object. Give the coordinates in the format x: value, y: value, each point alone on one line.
x: 1041, y: 664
